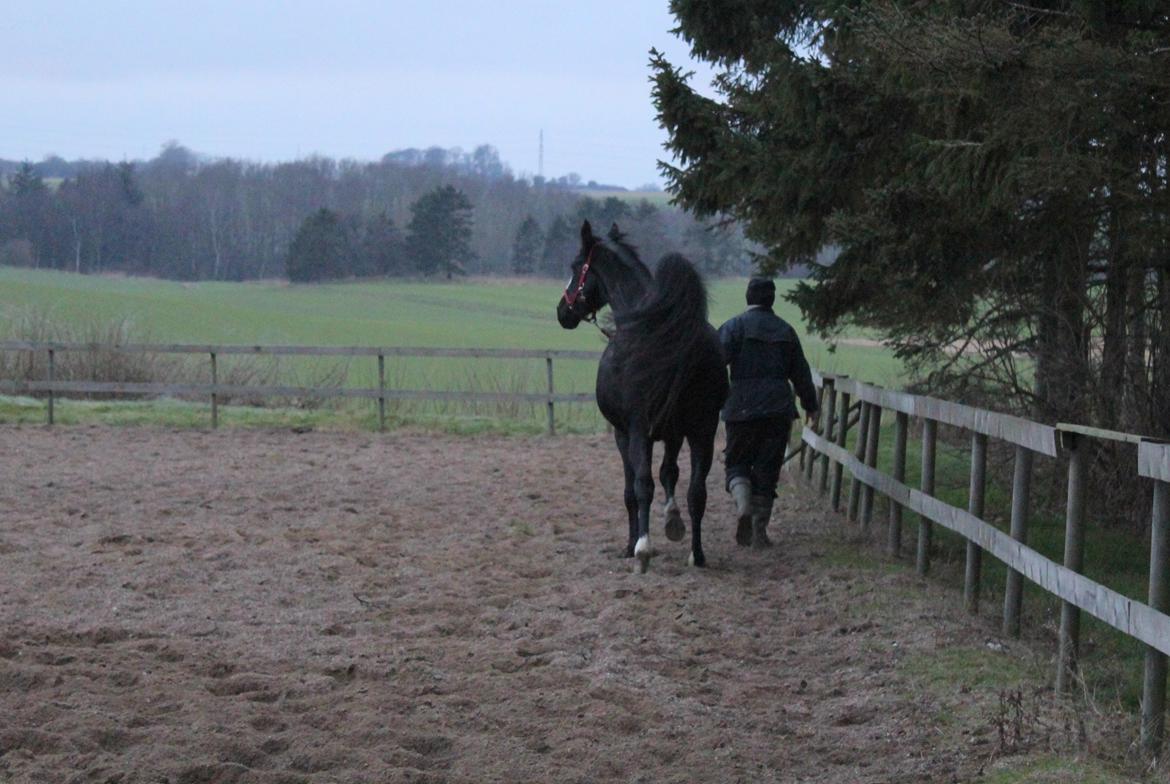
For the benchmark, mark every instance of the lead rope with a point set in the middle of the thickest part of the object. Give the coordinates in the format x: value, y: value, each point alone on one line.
x: 592, y: 319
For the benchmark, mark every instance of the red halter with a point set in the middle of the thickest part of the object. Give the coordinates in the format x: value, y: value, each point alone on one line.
x: 571, y: 299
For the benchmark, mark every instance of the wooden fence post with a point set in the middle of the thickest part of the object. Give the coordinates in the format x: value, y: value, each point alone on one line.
x: 811, y: 461
x: 552, y: 427
x: 214, y: 396
x: 929, y: 441
x: 52, y: 372
x: 859, y: 453
x: 1074, y: 556
x: 839, y: 468
x: 1021, y: 491
x: 871, y: 449
x: 1154, y: 676
x: 976, y: 493
x: 828, y: 424
x: 894, y: 532
x: 801, y: 452
x: 381, y: 392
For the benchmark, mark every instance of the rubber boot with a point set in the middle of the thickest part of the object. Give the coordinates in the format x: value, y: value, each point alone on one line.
x: 761, y: 516
x: 741, y: 493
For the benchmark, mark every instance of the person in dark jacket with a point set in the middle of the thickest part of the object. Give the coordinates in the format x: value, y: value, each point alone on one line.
x: 766, y: 362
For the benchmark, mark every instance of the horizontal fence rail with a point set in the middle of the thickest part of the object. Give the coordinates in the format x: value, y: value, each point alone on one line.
x: 163, y: 390
x: 51, y: 386
x: 322, y: 351
x: 1004, y: 427
x: 1147, y: 622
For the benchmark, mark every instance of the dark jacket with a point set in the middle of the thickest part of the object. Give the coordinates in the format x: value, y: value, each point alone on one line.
x: 765, y: 355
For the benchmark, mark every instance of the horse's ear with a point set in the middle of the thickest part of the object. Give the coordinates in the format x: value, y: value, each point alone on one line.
x: 614, y: 232
x: 586, y: 233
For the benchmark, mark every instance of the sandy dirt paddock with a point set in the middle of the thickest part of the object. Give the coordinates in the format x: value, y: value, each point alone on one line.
x: 270, y: 606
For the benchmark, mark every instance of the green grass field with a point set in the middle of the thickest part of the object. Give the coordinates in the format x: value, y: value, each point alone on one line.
x: 477, y: 313
x: 657, y: 198
x: 465, y: 313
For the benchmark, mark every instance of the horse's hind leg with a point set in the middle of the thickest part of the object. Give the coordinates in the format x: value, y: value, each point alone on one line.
x: 668, y: 476
x: 702, y: 454
x: 640, y: 454
x: 623, y: 443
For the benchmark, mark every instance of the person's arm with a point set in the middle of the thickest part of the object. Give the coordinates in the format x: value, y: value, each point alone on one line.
x: 801, y: 377
x: 730, y: 339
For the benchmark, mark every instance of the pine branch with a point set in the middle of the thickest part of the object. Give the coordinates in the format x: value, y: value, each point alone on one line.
x: 1034, y: 10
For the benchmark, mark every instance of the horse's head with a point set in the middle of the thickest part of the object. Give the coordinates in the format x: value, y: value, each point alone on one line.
x: 585, y: 293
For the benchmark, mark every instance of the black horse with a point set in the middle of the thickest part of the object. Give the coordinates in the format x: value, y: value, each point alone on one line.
x: 661, y: 378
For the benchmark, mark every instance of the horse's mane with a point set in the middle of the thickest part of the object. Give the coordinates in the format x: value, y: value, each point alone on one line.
x: 627, y: 277
x: 625, y: 249
x: 661, y: 339
x: 626, y: 254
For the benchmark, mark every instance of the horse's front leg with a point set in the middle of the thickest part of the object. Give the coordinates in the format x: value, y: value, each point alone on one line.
x: 668, y: 477
x: 641, y: 453
x: 702, y: 454
x: 623, y: 444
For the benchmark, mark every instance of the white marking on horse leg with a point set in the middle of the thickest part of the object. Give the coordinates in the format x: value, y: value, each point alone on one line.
x: 643, y: 552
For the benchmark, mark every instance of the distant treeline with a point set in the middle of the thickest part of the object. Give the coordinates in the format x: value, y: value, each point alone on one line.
x: 182, y: 216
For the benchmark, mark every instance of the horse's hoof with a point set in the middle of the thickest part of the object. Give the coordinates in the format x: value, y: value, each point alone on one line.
x: 675, y: 528
x: 629, y: 553
x: 643, y: 552
x: 697, y: 560
x: 642, y: 565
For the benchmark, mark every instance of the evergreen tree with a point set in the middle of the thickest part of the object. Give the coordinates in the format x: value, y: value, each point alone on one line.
x: 715, y: 249
x: 26, y: 181
x: 560, y: 246
x: 606, y: 212
x: 320, y: 249
x: 439, y: 236
x: 995, y: 175
x: 527, y: 246
x: 27, y: 218
x: 647, y: 232
x: 383, y: 248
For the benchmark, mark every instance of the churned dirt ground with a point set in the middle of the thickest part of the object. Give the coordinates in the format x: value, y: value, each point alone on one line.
x: 271, y: 606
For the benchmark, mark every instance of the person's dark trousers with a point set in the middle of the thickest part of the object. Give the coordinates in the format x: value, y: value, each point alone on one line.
x: 755, y: 449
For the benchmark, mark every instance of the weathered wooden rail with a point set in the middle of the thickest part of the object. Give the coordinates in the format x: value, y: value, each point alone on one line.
x: 1147, y: 622
x: 50, y: 387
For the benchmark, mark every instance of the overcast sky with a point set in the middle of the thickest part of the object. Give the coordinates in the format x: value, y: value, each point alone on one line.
x: 275, y: 80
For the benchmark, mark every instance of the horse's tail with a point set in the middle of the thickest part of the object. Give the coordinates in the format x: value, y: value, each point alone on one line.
x: 663, y: 337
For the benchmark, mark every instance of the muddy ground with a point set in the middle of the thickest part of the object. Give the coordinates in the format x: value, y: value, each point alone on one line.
x: 271, y: 606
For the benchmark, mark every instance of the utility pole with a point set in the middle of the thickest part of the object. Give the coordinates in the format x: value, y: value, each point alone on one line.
x: 540, y: 158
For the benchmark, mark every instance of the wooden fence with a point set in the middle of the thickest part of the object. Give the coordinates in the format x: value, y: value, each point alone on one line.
x: 843, y: 399
x: 50, y: 387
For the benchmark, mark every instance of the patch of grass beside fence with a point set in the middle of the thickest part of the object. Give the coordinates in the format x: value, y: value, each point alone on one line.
x: 1052, y: 770
x: 341, y: 415
x: 1111, y: 662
